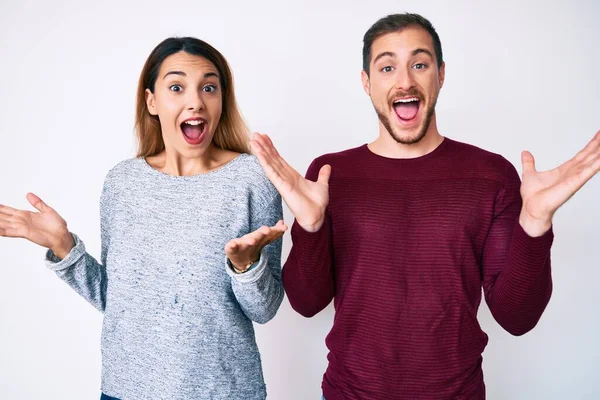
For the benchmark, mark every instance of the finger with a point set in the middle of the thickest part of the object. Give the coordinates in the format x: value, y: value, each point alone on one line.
x: 247, y: 241
x: 36, y: 202
x: 266, y: 159
x: 528, y: 162
x: 232, y: 245
x: 595, y: 162
x: 593, y: 147
x: 8, y: 230
x: 11, y: 222
x: 6, y: 220
x: 324, y: 174
x: 594, y: 144
x: 263, y: 231
x: 275, y: 234
x: 596, y: 166
x: 254, y: 237
x: 237, y: 246
x: 271, y: 152
x: 587, y: 172
x: 283, y: 169
x: 271, y: 160
x: 271, y: 147
x: 280, y: 226
x: 264, y: 145
x: 256, y: 143
x: 257, y: 137
x: 6, y: 210
x: 257, y: 238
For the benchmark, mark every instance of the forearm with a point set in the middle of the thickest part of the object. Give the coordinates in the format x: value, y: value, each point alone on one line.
x: 307, y: 273
x: 259, y: 291
x: 82, y: 272
x: 522, y: 291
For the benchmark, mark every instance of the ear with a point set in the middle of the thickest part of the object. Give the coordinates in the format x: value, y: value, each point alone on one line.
x: 366, y: 83
x: 442, y: 74
x: 150, y: 103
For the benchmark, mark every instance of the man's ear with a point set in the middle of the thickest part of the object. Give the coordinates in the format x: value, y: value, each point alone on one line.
x: 442, y: 74
x: 366, y: 83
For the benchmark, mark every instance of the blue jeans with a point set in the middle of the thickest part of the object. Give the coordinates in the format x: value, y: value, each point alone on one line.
x: 105, y: 397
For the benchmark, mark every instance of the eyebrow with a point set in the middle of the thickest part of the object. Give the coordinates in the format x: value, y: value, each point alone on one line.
x: 393, y: 55
x: 181, y: 73
x: 384, y: 54
x: 418, y: 51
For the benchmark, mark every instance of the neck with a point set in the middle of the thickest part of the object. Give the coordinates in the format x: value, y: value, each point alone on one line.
x: 173, y: 163
x: 385, y: 145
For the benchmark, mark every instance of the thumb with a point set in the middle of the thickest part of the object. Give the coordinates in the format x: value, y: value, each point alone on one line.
x: 528, y: 162
x: 37, y: 203
x: 324, y: 174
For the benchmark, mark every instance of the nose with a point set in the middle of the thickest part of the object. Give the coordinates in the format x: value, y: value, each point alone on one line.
x: 404, y: 79
x: 194, y: 101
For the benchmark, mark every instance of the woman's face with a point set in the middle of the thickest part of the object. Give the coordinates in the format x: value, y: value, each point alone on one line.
x: 188, y: 101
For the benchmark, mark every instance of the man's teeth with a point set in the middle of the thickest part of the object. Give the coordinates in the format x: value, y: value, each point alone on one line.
x: 193, y: 123
x: 406, y: 100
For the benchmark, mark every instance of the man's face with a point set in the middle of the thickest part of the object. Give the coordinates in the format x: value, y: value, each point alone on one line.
x: 404, y: 82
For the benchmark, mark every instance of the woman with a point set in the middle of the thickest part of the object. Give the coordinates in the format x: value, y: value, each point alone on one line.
x: 178, y: 291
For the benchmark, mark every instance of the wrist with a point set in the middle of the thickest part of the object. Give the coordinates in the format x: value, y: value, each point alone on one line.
x: 534, y: 227
x: 63, y: 244
x: 240, y: 268
x: 313, y: 226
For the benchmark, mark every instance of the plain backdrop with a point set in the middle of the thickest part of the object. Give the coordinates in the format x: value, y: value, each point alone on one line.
x: 518, y: 76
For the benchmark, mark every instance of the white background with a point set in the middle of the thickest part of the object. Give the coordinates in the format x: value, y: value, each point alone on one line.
x: 517, y: 77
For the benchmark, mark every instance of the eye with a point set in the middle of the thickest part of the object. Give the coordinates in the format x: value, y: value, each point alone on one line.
x: 209, y: 88
x: 175, y: 88
x: 387, y: 68
x: 420, y: 66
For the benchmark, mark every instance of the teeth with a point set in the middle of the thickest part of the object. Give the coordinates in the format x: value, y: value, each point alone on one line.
x: 193, y: 123
x: 406, y: 100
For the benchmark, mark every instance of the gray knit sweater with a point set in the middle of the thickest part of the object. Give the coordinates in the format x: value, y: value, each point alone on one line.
x: 177, y: 321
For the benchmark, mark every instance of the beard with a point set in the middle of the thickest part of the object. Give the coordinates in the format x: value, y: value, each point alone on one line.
x: 421, y: 130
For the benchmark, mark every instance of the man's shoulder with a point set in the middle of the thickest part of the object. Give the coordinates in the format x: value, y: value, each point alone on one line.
x: 341, y: 157
x: 480, y: 161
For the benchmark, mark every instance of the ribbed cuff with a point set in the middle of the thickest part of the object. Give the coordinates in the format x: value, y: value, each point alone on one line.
x: 253, y: 274
x: 56, y: 264
x: 302, y: 237
x: 530, y: 251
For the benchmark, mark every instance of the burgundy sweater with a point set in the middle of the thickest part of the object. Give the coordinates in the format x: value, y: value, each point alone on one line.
x: 406, y: 247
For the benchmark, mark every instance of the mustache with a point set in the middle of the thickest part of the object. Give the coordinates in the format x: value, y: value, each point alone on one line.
x: 404, y: 93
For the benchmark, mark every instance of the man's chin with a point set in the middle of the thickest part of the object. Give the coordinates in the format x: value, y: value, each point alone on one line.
x: 408, y: 135
x: 407, y: 138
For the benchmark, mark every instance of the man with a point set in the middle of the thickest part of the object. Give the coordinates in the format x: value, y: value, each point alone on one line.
x: 404, y: 232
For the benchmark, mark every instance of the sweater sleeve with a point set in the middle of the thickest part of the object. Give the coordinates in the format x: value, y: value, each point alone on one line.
x: 79, y: 269
x: 308, y: 272
x: 259, y: 291
x: 517, y: 278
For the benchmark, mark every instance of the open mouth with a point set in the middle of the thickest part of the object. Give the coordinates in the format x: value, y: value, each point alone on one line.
x: 194, y: 130
x: 407, y: 108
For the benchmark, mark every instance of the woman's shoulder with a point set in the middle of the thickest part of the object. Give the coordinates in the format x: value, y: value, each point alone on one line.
x: 249, y: 167
x: 125, y: 168
x: 249, y: 172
